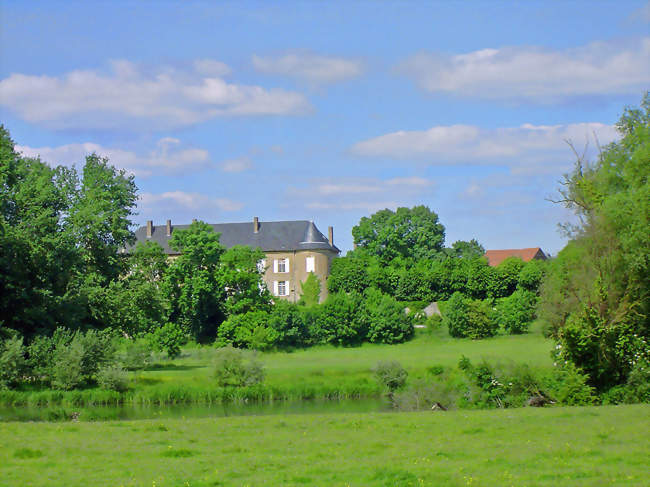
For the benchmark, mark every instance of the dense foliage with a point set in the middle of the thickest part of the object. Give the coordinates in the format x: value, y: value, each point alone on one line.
x: 60, y: 232
x: 407, y: 232
x: 596, y: 297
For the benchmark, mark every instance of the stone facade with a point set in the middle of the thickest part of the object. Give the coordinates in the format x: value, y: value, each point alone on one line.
x: 293, y: 249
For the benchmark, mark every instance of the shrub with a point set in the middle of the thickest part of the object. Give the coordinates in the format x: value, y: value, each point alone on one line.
x: 467, y: 318
x: 568, y: 385
x: 336, y: 320
x: 113, y: 378
x: 67, y: 369
x: 385, y: 318
x: 310, y: 290
x: 137, y: 355
x: 237, y: 368
x: 247, y: 330
x: 391, y: 375
x: 530, y: 277
x: 12, y: 362
x: 77, y: 359
x: 98, y: 350
x: 169, y: 338
x: 41, y: 352
x: 516, y: 312
x: 289, y: 324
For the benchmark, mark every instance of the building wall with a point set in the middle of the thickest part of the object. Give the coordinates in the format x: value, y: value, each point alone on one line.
x: 298, y: 271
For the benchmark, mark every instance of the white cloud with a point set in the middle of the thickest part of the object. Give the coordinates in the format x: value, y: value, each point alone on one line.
x: 310, y: 67
x: 169, y: 156
x: 238, y: 164
x: 524, y: 148
x: 129, y: 96
x: 369, y: 194
x: 535, y: 73
x: 180, y: 201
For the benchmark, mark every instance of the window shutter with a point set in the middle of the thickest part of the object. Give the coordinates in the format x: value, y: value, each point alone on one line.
x: 275, y: 265
x: 286, y: 288
x: 275, y: 288
x: 286, y: 265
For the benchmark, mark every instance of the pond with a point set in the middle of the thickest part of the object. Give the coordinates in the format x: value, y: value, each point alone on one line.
x: 129, y: 412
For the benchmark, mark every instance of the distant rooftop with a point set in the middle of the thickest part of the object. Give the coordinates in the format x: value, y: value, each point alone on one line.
x: 495, y: 257
x: 269, y: 236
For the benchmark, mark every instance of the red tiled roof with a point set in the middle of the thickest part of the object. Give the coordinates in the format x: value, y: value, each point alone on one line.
x: 495, y: 257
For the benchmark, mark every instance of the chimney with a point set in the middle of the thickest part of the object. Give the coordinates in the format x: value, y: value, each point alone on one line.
x: 169, y: 228
x: 256, y: 224
x: 330, y: 235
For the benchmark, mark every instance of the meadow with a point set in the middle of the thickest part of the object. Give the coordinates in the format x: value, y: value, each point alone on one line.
x: 518, y: 447
x: 315, y: 373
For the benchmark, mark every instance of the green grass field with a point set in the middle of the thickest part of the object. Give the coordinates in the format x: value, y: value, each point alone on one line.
x: 319, y: 372
x: 328, y: 364
x: 520, y: 447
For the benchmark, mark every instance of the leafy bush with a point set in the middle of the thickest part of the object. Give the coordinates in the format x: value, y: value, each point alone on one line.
x: 385, y: 318
x: 137, y: 355
x: 506, y: 277
x: 635, y: 390
x: 390, y: 374
x: 467, y: 318
x: 569, y: 386
x: 532, y: 274
x: 516, y: 312
x: 289, y: 324
x: 113, y: 378
x: 169, y: 338
x: 78, y: 357
x: 68, y: 366
x: 310, y: 290
x: 12, y: 362
x: 335, y: 321
x: 247, y: 330
x: 237, y: 368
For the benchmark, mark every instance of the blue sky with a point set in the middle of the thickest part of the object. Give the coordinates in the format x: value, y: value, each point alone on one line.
x: 328, y: 112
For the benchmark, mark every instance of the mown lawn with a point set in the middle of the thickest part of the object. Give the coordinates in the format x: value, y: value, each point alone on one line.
x: 521, y: 447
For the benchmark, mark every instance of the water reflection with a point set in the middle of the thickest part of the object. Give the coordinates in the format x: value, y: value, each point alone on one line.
x: 129, y: 412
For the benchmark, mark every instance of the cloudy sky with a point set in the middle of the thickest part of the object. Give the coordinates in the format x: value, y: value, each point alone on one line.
x: 328, y: 112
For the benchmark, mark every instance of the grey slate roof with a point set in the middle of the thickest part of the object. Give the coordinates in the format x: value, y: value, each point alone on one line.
x: 272, y: 236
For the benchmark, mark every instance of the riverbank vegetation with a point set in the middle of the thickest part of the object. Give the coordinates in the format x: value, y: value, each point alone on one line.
x: 573, y: 446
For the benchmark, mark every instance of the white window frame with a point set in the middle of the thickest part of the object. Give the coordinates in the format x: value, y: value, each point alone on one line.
x: 277, y: 285
x: 310, y: 263
x: 276, y: 266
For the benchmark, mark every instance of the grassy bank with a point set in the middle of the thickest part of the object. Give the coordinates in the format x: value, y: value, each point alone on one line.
x: 533, y: 447
x: 315, y: 373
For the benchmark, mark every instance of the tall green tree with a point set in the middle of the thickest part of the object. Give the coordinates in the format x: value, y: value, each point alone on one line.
x: 193, y: 284
x: 243, y: 280
x: 59, y: 236
x: 412, y: 233
x: 596, y: 295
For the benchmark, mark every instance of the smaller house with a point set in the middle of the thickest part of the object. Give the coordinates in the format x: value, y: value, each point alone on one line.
x: 495, y: 257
